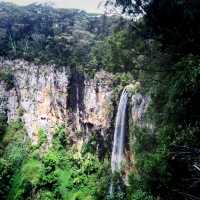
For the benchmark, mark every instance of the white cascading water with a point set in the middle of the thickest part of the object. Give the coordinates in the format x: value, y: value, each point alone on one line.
x: 119, y: 134
x: 139, y: 106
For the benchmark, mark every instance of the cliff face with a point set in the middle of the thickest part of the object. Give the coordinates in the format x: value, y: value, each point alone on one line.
x: 46, y: 95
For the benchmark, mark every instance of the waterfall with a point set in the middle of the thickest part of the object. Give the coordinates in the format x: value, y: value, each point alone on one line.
x: 139, y: 104
x: 119, y: 134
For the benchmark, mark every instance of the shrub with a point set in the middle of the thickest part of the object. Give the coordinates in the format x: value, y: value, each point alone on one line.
x: 42, y: 136
x: 3, y: 124
x: 59, y: 173
x: 8, y: 78
x: 45, y: 195
x: 60, y: 137
x: 140, y: 195
x: 15, y: 131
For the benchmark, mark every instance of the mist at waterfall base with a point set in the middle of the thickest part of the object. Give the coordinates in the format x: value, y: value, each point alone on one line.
x: 119, y: 137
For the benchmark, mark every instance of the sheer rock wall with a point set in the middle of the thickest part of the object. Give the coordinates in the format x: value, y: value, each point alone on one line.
x: 41, y: 98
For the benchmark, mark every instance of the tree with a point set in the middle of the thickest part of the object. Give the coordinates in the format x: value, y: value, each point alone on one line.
x: 173, y: 22
x: 132, y: 7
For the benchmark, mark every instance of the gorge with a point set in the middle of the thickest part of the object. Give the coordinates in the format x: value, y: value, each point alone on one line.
x: 43, y: 97
x: 100, y: 106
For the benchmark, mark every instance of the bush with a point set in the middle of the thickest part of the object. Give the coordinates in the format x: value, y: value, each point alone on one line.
x: 59, y: 173
x: 60, y: 137
x: 42, y: 136
x: 3, y: 124
x: 140, y: 195
x: 14, y: 152
x: 8, y: 78
x: 151, y: 156
x: 45, y: 195
x: 14, y: 132
x: 26, y: 180
x: 6, y: 173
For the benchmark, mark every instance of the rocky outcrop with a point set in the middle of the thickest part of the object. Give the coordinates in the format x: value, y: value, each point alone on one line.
x: 47, y: 95
x: 39, y: 95
x: 98, y: 108
x: 139, y: 105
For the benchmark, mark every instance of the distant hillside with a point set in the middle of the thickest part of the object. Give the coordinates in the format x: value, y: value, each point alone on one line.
x: 44, y: 34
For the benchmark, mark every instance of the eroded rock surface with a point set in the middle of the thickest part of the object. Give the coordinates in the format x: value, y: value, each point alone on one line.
x: 40, y: 96
x: 97, y: 100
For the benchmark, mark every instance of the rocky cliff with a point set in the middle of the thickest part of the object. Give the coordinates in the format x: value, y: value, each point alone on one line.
x: 44, y: 96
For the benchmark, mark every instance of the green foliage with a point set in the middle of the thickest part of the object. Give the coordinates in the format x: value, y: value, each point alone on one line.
x: 8, y: 78
x: 170, y: 73
x: 132, y: 8
x: 6, y: 172
x: 161, y: 161
x: 151, y: 162
x: 14, y: 132
x: 175, y: 24
x: 60, y: 137
x: 43, y: 34
x: 165, y: 59
x: 140, y: 195
x: 26, y: 179
x: 123, y: 79
x: 32, y: 171
x: 13, y: 150
x: 118, y: 188
x: 59, y: 173
x: 3, y: 124
x: 117, y: 53
x: 42, y: 136
x: 90, y: 146
x: 45, y: 195
x: 176, y: 93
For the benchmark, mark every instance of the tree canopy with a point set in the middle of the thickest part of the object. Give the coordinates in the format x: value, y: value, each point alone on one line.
x: 43, y: 34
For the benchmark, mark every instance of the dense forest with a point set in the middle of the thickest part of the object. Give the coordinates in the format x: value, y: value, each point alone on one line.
x: 44, y: 34
x: 157, y: 45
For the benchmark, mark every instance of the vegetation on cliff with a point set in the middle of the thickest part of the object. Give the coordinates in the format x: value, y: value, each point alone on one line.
x: 160, y: 50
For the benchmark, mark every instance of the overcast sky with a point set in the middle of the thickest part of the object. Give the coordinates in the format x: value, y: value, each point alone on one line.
x: 87, y: 5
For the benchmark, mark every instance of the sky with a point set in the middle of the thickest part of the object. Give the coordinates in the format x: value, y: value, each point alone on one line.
x: 94, y: 6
